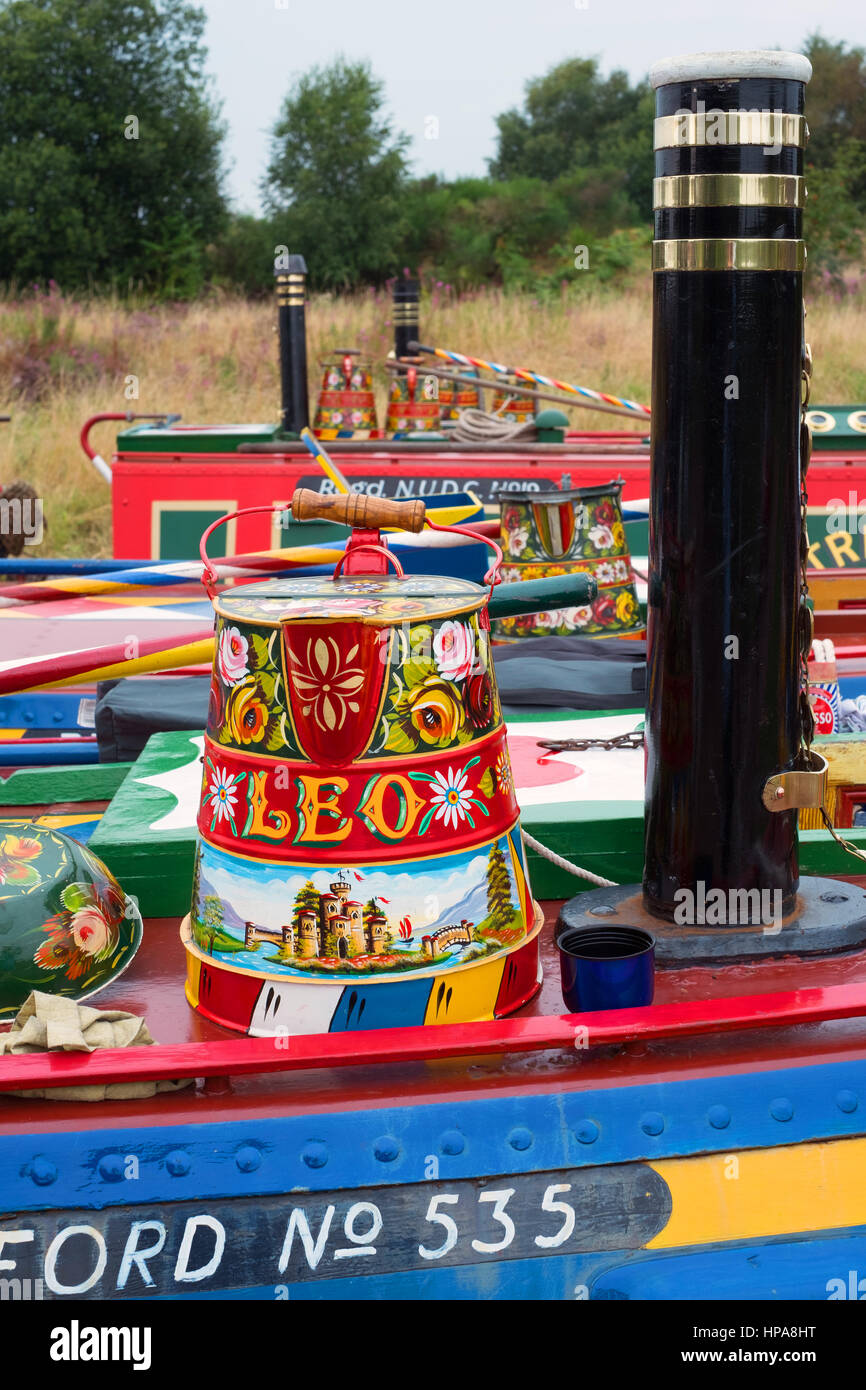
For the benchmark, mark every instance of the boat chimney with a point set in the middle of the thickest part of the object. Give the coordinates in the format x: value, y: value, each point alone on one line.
x: 406, y: 295
x: 729, y: 726
x: 723, y: 662
x: 290, y: 283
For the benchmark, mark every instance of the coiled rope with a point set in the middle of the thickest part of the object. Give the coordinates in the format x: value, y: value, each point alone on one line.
x: 566, y: 863
x: 480, y: 427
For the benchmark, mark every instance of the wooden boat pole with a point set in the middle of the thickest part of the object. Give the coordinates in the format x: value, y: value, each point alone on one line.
x: 291, y: 324
x: 725, y: 515
x: 568, y: 402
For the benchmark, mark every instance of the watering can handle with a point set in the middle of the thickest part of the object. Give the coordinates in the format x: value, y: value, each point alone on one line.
x: 357, y: 509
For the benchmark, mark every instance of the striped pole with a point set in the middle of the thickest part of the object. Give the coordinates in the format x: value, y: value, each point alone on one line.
x: 524, y: 374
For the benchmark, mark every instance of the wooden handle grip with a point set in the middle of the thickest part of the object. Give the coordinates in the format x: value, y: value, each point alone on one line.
x: 357, y: 509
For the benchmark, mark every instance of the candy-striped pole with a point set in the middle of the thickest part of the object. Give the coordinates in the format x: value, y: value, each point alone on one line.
x: 523, y: 374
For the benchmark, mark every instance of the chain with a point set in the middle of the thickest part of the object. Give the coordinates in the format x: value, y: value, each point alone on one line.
x: 579, y: 745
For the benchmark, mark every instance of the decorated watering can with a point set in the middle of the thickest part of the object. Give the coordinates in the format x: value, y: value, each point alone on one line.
x: 360, y: 862
x: 455, y: 396
x: 548, y: 534
x: 66, y: 926
x: 347, y: 404
x: 413, y: 401
x: 517, y: 409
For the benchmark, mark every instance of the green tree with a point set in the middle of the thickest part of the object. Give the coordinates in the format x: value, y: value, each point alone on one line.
x: 306, y: 897
x: 110, y: 144
x: 336, y: 176
x: 574, y: 118
x: 213, y: 922
x: 835, y: 103
x: 500, y: 908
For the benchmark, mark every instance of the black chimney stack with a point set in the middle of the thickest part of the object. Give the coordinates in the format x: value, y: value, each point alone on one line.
x: 406, y: 295
x: 290, y: 285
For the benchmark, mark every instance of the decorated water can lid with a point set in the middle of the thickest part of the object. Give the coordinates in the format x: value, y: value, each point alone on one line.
x: 377, y: 599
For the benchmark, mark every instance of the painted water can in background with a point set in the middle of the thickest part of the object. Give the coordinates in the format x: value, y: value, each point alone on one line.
x: 360, y: 860
x: 517, y: 410
x: 347, y: 403
x: 413, y: 403
x: 455, y: 396
x: 552, y: 533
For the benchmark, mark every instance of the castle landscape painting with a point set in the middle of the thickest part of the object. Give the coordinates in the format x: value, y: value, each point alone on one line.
x: 359, y: 920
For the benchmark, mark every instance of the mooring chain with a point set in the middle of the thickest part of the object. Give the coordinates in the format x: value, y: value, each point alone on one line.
x: 579, y: 745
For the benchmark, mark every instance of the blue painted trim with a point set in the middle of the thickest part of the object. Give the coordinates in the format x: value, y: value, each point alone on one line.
x: 473, y: 1138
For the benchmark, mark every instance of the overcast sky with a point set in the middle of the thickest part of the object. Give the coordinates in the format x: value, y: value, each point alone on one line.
x: 464, y: 61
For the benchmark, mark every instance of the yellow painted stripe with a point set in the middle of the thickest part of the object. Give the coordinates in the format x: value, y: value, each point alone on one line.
x: 473, y: 993
x: 764, y: 1192
x: 193, y: 976
x: 187, y: 654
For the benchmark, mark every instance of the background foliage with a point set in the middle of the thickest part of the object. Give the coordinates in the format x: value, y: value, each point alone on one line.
x: 83, y: 206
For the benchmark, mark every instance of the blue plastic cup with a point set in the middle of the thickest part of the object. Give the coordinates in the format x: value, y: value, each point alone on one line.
x: 606, y: 968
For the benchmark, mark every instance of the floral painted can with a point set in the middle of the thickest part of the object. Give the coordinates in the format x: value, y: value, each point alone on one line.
x: 455, y: 396
x: 553, y: 533
x: 515, y: 409
x: 347, y: 403
x: 413, y: 403
x: 66, y: 926
x: 358, y: 824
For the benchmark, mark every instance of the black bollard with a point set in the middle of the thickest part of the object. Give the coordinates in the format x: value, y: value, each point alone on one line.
x: 291, y: 319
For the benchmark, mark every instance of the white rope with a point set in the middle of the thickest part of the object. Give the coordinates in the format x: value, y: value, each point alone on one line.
x: 479, y: 426
x: 565, y: 863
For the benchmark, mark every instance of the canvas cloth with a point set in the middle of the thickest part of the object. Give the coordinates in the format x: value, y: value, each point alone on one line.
x: 47, y: 1023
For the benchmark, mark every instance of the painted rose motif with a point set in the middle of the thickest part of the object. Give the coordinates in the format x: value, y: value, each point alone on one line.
x: 328, y: 685
x: 232, y: 656
x: 435, y: 711
x: 578, y: 617
x: 601, y: 537
x: 479, y: 699
x: 454, y: 650
x: 518, y: 541
x: 215, y: 706
x: 605, y: 513
x: 16, y: 855
x: 604, y: 609
x: 246, y: 717
x: 626, y: 607
x: 84, y: 932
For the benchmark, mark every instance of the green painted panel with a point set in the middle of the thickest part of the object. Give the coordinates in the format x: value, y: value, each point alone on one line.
x: 181, y: 531
x: 43, y: 786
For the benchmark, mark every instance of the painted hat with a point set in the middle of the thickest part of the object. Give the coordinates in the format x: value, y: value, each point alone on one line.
x: 360, y: 861
x: 66, y: 925
x: 553, y: 533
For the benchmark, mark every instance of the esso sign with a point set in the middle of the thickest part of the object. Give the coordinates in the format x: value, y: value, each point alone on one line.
x: 823, y: 712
